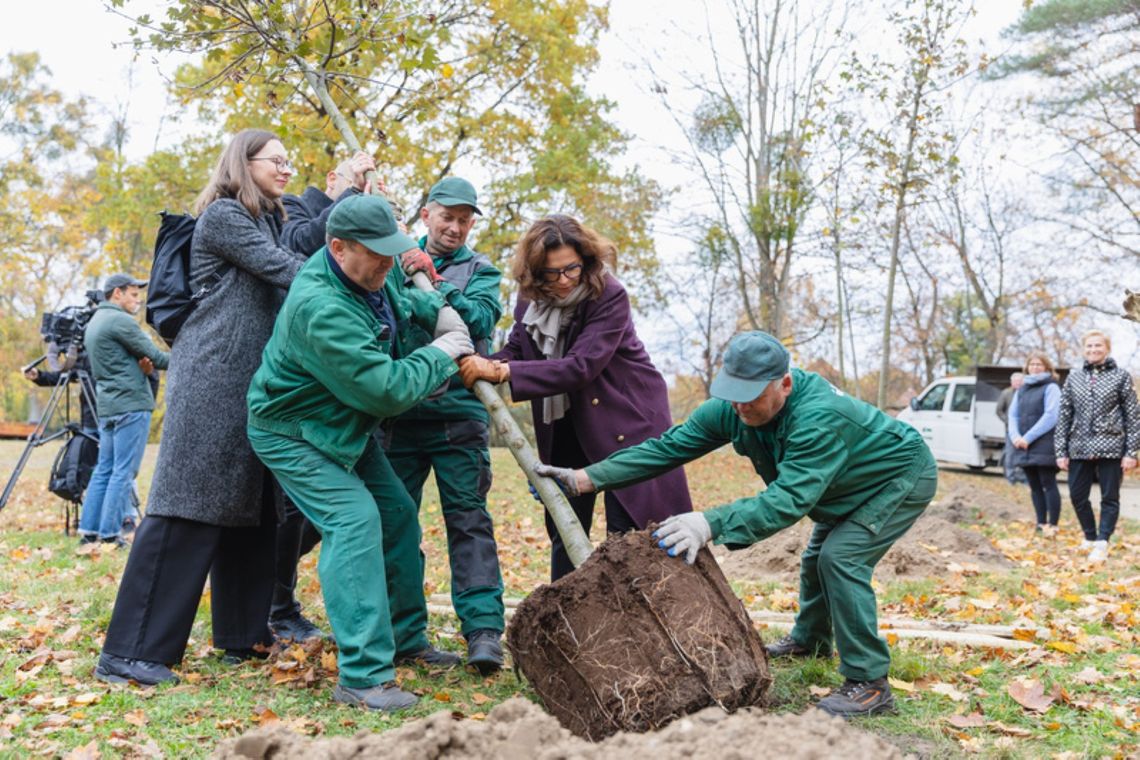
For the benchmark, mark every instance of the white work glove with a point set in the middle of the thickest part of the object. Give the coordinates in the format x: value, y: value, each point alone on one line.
x: 565, y: 477
x: 448, y: 320
x: 455, y: 344
x: 684, y: 533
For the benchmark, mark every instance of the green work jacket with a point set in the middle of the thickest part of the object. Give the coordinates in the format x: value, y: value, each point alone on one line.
x: 825, y: 455
x: 115, y: 343
x: 327, y: 374
x: 479, y: 305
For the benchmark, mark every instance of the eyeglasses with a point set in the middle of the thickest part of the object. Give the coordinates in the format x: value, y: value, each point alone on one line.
x: 572, y: 272
x: 283, y: 164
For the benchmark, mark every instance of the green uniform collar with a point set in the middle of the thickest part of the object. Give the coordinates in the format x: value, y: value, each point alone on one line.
x: 462, y: 253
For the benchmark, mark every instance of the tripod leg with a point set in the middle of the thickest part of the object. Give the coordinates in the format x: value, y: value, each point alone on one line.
x: 37, y: 437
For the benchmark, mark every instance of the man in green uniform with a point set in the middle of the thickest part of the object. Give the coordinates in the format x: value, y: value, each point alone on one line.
x: 451, y: 433
x: 327, y: 378
x: 861, y: 476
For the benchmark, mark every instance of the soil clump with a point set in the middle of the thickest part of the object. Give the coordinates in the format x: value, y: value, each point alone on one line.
x: 519, y: 730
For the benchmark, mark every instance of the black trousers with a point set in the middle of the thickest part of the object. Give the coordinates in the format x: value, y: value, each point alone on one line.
x: 567, y: 452
x: 1109, y: 474
x: 1043, y: 491
x: 166, y: 573
x: 296, y: 537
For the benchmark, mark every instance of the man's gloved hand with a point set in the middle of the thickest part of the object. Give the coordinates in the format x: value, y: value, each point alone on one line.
x: 448, y: 320
x: 455, y: 344
x: 419, y: 261
x: 475, y: 367
x: 684, y: 533
x: 565, y: 477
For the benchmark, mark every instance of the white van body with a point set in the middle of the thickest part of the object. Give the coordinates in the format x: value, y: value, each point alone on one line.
x: 957, y: 425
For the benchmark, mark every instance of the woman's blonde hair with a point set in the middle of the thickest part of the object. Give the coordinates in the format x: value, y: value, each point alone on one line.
x: 549, y: 234
x: 1044, y: 360
x: 1097, y: 333
x: 231, y: 177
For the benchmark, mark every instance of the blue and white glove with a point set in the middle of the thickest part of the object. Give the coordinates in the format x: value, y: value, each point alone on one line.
x: 685, y: 533
x: 563, y: 476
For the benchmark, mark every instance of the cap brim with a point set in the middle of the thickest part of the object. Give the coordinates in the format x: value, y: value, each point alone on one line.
x: 725, y: 386
x: 451, y: 200
x: 390, y: 245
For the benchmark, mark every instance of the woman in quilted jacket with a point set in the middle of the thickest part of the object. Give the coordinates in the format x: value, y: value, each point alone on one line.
x: 1097, y: 434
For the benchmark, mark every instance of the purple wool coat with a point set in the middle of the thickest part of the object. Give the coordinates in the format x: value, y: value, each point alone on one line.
x: 617, y: 397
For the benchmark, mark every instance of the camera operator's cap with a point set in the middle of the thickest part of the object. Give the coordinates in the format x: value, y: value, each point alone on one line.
x: 753, y: 360
x: 121, y: 280
x: 368, y: 220
x: 454, y: 191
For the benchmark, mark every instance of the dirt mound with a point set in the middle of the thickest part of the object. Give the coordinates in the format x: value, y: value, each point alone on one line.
x: 520, y: 730
x: 936, y: 540
x: 995, y: 502
x: 619, y: 645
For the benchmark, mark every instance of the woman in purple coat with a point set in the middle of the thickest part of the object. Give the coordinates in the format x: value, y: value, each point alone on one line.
x: 573, y: 352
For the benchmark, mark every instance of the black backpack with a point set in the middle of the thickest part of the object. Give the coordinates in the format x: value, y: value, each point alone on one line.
x: 170, y: 299
x: 71, y: 471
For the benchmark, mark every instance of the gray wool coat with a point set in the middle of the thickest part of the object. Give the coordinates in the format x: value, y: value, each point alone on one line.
x: 206, y: 470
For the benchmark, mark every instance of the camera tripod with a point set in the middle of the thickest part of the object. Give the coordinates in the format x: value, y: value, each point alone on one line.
x: 39, y: 437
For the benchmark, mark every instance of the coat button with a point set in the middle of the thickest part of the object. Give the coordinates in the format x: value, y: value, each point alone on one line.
x: 594, y: 402
x: 621, y: 438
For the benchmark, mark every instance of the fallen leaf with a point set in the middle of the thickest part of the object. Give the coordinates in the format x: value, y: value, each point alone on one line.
x: 1067, y: 647
x: 948, y: 690
x: 973, y: 720
x: 480, y: 699
x: 1030, y: 694
x: 1089, y: 675
x: 441, y: 696
x: 89, y: 751
x: 89, y: 698
x: 265, y: 716
x: 1008, y: 730
x: 819, y: 691
x: 328, y: 661
x: 135, y: 717
x: 901, y: 685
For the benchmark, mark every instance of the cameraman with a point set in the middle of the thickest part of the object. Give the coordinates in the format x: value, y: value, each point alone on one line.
x: 123, y: 401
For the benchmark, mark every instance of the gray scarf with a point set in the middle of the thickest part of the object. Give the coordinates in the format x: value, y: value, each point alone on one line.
x: 546, y: 322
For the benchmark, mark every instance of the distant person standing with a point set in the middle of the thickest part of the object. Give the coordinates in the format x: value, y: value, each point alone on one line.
x: 1098, y: 433
x: 1012, y: 473
x: 1032, y: 419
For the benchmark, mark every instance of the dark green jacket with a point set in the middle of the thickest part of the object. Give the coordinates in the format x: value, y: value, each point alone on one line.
x: 115, y: 343
x: 327, y: 374
x: 826, y: 456
x: 480, y: 306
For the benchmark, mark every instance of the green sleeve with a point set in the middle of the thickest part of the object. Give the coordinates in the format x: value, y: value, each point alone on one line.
x: 694, y: 438
x: 478, y: 304
x: 138, y: 345
x: 813, y: 457
x: 423, y: 305
x: 338, y: 348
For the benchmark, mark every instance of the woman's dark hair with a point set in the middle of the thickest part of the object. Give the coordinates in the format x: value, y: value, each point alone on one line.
x: 231, y: 177
x: 551, y: 233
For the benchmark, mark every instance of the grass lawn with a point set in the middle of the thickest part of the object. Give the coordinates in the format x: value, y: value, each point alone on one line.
x: 55, y: 602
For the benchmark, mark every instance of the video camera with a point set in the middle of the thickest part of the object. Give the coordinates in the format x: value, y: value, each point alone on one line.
x: 64, y: 328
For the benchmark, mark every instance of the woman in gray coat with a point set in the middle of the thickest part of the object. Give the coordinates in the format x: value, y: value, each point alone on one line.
x: 211, y: 503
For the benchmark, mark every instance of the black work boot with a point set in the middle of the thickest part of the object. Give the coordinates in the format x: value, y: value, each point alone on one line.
x: 385, y: 697
x: 858, y: 698
x: 436, y: 658
x: 238, y: 656
x: 115, y: 669
x: 788, y: 647
x: 296, y: 628
x: 484, y: 652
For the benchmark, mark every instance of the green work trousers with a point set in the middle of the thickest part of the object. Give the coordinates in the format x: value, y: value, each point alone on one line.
x: 458, y: 452
x: 370, y: 569
x: 835, y: 584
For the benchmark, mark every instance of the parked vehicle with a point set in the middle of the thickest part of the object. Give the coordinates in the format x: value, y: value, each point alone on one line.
x: 957, y: 416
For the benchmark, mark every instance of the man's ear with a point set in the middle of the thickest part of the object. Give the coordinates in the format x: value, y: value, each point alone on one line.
x: 330, y: 178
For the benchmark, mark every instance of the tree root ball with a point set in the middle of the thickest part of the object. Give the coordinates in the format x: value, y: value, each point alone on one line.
x: 635, y: 638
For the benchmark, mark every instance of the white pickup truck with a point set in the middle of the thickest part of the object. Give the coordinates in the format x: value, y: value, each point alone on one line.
x: 957, y: 416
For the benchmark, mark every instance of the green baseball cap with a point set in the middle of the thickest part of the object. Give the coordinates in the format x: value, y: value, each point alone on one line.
x: 368, y: 220
x: 454, y: 191
x: 753, y: 360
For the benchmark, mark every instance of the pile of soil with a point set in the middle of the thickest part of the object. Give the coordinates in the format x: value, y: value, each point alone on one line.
x: 937, y: 539
x: 620, y: 645
x: 520, y: 730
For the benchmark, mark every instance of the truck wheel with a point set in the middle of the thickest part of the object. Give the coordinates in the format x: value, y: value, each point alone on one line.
x: 976, y: 467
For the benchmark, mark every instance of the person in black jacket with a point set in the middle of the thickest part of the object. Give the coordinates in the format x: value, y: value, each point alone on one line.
x: 307, y: 213
x: 1098, y: 433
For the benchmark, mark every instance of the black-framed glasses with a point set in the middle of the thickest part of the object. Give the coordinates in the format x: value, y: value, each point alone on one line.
x: 572, y: 272
x: 282, y: 164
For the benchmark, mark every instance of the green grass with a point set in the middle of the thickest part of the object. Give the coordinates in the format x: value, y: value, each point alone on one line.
x: 55, y: 604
